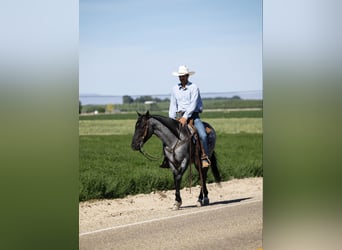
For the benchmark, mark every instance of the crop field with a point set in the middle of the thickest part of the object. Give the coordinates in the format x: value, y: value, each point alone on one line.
x: 109, y: 168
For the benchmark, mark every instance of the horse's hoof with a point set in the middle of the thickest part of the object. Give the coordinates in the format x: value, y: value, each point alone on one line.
x: 203, y: 202
x: 177, y: 205
x: 199, y: 203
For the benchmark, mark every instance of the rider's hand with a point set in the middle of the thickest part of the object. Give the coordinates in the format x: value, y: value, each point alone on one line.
x: 183, y: 120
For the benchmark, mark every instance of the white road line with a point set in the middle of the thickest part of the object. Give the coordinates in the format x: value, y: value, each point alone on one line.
x: 166, y: 218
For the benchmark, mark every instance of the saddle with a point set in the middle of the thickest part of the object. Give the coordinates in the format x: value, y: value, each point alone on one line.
x: 192, y: 128
x: 199, y: 151
x: 198, y: 155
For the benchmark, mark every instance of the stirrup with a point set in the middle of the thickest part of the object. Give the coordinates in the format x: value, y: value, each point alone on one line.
x: 205, y: 162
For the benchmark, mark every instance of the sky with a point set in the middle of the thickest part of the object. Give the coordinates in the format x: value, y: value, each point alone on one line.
x: 131, y: 47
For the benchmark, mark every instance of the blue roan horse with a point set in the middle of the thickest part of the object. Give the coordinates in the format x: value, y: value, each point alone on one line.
x: 179, y: 148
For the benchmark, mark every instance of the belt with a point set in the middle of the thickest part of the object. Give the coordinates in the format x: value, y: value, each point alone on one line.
x: 179, y: 114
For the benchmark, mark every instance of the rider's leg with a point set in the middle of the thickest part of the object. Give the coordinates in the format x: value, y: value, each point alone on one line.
x: 203, y: 138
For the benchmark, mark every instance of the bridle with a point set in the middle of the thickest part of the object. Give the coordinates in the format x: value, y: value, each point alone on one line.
x: 141, y: 149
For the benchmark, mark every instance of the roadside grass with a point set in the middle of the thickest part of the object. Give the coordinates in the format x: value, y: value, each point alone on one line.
x: 110, y: 169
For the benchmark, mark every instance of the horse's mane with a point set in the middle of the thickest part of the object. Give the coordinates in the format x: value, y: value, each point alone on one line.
x: 171, y: 124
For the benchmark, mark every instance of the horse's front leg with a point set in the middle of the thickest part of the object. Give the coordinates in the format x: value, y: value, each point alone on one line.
x: 178, y: 201
x: 177, y: 177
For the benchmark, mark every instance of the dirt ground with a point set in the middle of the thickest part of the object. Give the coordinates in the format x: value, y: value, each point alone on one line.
x: 99, y: 214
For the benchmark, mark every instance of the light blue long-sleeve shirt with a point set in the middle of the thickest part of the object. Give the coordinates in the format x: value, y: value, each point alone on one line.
x: 186, y: 99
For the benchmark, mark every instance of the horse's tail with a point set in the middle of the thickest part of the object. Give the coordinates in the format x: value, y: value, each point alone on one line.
x: 214, y: 167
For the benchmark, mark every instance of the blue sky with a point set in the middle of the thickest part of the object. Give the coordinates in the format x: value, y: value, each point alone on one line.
x: 131, y: 47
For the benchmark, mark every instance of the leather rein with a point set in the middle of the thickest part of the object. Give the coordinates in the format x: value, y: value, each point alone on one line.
x: 143, y: 152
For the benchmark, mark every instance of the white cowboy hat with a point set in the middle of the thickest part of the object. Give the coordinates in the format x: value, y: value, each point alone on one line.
x: 183, y: 70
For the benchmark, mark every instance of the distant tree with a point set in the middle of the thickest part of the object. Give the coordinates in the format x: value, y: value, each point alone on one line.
x: 101, y: 109
x: 79, y: 107
x: 236, y: 97
x: 93, y: 108
x: 127, y: 99
x: 143, y: 99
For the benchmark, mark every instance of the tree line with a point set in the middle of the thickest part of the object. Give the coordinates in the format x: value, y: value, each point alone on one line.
x: 126, y: 99
x: 129, y: 104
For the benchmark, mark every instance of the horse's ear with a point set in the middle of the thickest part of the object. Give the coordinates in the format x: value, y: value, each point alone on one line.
x: 139, y: 114
x: 147, y: 113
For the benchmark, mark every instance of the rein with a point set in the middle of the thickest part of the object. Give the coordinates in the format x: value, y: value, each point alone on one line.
x: 142, y: 151
x: 148, y: 156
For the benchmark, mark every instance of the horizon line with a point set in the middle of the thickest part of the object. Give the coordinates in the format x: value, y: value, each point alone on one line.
x: 202, y: 93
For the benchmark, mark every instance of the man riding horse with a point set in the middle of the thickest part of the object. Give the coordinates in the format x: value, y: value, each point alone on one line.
x: 186, y: 104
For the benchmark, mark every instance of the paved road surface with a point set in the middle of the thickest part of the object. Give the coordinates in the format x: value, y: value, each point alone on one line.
x: 237, y: 225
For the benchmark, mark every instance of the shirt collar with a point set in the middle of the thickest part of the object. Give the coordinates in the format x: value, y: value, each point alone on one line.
x: 186, y: 86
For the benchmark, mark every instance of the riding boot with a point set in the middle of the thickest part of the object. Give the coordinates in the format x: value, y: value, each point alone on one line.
x: 205, y: 161
x: 165, y: 163
x: 204, y: 158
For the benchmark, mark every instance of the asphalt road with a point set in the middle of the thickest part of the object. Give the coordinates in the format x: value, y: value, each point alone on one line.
x: 237, y: 225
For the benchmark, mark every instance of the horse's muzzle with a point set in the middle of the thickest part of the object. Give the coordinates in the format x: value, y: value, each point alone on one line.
x: 136, y: 146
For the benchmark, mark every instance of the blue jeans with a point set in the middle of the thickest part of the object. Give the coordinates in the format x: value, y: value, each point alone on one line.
x: 201, y: 132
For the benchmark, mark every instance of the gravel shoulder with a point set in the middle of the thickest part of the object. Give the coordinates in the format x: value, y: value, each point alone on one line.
x: 99, y: 214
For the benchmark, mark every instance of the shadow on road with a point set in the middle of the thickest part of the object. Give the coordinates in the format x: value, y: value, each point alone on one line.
x: 221, y: 202
x: 229, y: 201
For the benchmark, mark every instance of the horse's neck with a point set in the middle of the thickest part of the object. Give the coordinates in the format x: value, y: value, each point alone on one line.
x: 163, y: 133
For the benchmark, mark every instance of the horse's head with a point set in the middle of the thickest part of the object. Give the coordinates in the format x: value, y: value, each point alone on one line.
x: 142, y: 131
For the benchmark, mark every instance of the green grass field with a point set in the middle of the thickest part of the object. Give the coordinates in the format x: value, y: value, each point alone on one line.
x: 230, y: 113
x: 126, y: 127
x: 109, y: 168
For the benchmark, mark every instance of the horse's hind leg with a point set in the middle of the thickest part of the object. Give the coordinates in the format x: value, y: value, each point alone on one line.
x: 203, y: 199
